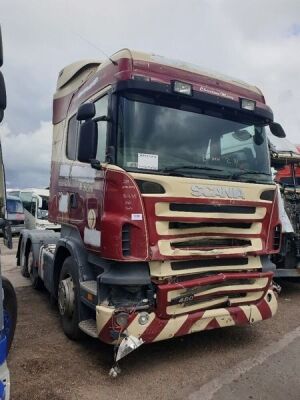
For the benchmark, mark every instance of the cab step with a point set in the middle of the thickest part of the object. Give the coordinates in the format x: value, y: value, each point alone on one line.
x: 89, y: 327
x: 89, y: 286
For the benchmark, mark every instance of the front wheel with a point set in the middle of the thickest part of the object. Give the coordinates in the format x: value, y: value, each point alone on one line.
x: 69, y: 299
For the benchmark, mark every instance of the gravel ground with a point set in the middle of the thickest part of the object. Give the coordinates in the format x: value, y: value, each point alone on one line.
x: 44, y: 364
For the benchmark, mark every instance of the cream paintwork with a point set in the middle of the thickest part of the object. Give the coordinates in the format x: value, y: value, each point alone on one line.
x: 171, y: 328
x: 139, y: 329
x: 163, y: 269
x: 259, y: 283
x: 163, y: 210
x: 105, y: 313
x: 179, y: 309
x: 176, y: 186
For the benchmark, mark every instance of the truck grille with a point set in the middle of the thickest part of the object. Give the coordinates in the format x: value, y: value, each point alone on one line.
x: 223, y: 289
x: 211, y: 208
x: 210, y: 243
x: 193, y: 225
x: 210, y: 262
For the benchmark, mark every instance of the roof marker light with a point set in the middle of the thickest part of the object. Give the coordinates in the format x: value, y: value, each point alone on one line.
x: 182, y: 88
x: 141, y: 78
x: 247, y: 104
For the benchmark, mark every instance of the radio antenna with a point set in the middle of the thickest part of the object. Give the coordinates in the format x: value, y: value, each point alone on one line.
x: 96, y: 47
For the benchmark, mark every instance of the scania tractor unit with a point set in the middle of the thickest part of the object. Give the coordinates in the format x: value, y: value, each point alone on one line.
x: 161, y: 182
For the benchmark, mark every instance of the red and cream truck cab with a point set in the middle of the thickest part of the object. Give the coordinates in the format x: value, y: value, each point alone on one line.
x: 161, y: 182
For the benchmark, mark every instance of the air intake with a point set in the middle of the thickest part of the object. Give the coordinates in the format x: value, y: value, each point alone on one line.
x: 277, y: 237
x: 126, y: 243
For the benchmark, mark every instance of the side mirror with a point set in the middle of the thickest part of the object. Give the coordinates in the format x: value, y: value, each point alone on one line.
x: 6, y: 231
x: 88, y: 141
x: 86, y: 111
x: 2, y: 83
x: 277, y: 130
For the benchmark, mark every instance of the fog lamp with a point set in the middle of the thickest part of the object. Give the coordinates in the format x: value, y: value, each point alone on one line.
x: 143, y: 318
x: 247, y: 104
x: 122, y: 319
x: 182, y: 88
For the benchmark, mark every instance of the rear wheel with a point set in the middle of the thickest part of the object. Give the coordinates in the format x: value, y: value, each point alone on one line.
x: 23, y: 261
x: 36, y: 281
x: 69, y: 299
x: 9, y: 311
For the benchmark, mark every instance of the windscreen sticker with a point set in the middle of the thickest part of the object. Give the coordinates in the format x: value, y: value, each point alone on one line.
x: 136, y: 217
x: 148, y: 161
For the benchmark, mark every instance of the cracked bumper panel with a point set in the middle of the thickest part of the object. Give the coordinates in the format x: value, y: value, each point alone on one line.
x: 160, y: 329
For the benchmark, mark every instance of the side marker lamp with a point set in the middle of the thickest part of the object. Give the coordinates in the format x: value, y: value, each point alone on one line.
x: 182, y: 88
x: 247, y: 104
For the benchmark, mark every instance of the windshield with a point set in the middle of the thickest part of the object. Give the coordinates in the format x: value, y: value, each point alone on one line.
x: 14, y: 206
x: 155, y: 137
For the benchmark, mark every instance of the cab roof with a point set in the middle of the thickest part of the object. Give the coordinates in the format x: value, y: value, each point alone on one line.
x: 89, y: 67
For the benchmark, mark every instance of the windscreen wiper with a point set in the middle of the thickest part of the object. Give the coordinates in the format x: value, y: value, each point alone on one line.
x: 241, y: 173
x: 204, y: 168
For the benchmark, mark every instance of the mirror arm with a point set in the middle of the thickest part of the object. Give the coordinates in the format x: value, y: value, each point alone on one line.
x: 96, y: 164
x: 102, y: 118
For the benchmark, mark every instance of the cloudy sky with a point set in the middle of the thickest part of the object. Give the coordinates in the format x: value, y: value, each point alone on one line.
x: 257, y: 41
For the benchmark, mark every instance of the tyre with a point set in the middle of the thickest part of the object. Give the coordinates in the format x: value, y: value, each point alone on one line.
x: 69, y: 299
x: 10, y: 310
x: 36, y: 281
x: 23, y: 261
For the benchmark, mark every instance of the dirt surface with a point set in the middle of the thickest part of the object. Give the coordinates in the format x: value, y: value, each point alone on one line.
x: 44, y: 364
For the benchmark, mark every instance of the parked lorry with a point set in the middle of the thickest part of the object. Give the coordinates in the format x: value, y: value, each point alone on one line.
x: 285, y: 159
x: 15, y: 213
x: 8, y: 300
x: 35, y: 202
x: 161, y: 181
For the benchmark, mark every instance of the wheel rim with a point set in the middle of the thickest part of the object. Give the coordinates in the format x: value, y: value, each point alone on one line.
x: 66, y: 297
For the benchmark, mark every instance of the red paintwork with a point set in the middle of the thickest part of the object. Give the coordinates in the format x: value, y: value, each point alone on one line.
x: 116, y: 196
x: 127, y: 68
x: 270, y: 220
x: 157, y: 325
x: 162, y: 290
x: 286, y: 171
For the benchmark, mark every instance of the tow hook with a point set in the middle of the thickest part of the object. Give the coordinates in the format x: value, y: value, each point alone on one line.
x: 126, y: 346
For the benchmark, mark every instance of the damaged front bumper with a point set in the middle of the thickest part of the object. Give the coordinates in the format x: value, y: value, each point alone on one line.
x: 149, y: 327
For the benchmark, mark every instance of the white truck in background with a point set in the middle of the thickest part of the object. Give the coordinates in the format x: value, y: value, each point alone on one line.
x: 35, y: 202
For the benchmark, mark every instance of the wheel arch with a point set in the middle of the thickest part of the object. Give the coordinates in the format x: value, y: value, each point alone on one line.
x: 23, y: 238
x: 68, y: 248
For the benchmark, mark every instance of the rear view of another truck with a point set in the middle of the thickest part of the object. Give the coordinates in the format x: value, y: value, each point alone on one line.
x: 15, y: 214
x: 285, y: 158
